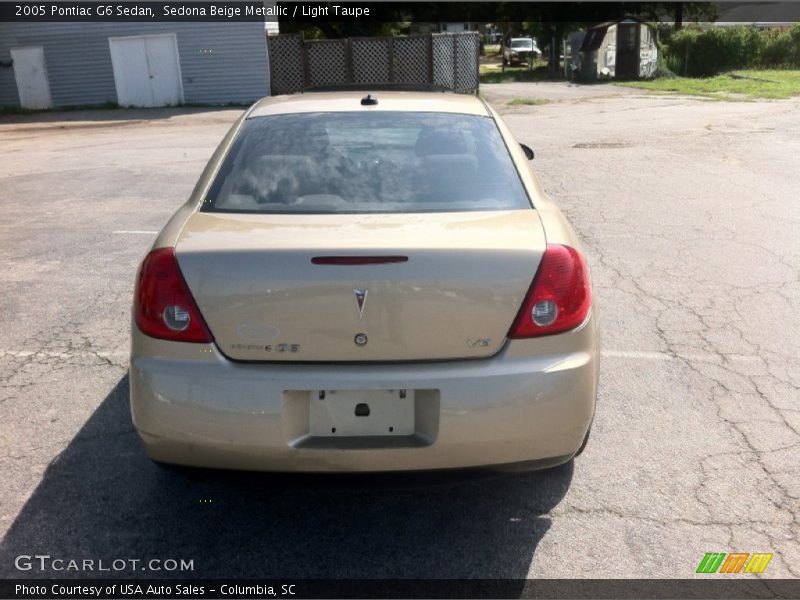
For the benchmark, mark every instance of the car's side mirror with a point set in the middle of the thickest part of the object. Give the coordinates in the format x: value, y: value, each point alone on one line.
x: 528, y: 152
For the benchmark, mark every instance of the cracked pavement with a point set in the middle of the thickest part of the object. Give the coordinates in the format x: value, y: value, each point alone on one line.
x: 688, y: 211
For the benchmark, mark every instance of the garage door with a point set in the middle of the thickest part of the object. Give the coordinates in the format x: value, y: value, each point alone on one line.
x: 31, y: 76
x: 147, y: 70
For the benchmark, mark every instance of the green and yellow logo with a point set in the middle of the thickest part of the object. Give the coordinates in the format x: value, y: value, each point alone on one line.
x: 716, y: 562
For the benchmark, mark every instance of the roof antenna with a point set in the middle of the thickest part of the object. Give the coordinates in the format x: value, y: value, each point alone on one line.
x: 368, y: 100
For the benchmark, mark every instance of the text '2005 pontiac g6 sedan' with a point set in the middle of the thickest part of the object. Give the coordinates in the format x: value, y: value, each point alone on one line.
x: 365, y: 283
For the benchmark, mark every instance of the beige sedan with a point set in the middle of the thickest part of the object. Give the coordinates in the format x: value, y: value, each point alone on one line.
x: 365, y: 283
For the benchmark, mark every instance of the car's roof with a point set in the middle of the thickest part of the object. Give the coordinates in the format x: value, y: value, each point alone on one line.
x: 349, y: 101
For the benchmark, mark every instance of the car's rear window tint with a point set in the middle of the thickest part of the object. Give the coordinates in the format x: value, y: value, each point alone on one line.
x: 367, y: 162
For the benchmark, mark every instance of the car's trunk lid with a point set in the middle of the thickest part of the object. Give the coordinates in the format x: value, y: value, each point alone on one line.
x: 455, y: 295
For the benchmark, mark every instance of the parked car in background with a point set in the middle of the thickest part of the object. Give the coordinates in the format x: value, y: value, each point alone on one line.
x: 520, y: 50
x: 365, y: 283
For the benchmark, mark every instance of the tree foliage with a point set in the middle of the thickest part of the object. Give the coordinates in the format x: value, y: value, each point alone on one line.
x: 704, y: 52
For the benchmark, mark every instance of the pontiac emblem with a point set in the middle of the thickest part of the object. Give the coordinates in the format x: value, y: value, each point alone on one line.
x: 361, y: 300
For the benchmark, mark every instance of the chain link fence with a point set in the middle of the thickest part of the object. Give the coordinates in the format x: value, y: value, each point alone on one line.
x: 439, y: 60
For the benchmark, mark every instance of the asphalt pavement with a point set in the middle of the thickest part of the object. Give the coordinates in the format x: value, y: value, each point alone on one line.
x: 688, y: 210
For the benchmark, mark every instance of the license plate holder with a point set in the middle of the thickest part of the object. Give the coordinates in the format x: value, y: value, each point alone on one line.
x: 346, y: 413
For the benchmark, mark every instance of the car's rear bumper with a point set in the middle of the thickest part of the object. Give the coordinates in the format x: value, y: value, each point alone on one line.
x: 534, y: 401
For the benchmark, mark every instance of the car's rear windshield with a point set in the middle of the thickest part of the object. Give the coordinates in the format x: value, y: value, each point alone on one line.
x: 522, y: 43
x: 367, y: 162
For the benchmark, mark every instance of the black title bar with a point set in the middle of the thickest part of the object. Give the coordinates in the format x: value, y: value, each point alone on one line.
x: 349, y: 11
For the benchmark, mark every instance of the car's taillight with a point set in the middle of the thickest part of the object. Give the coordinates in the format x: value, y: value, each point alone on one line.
x: 163, y: 306
x: 559, y: 298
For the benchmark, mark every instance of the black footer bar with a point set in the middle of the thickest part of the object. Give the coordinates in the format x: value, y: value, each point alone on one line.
x: 133, y: 589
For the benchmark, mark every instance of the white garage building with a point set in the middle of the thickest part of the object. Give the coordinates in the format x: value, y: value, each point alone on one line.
x: 53, y: 65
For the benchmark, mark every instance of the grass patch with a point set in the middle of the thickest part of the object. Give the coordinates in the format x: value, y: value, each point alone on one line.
x: 736, y: 85
x: 17, y: 110
x: 527, y: 102
x: 495, y: 73
x: 111, y: 105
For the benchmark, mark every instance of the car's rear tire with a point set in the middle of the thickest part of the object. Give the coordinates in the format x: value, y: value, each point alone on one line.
x: 168, y: 467
x: 585, y: 441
